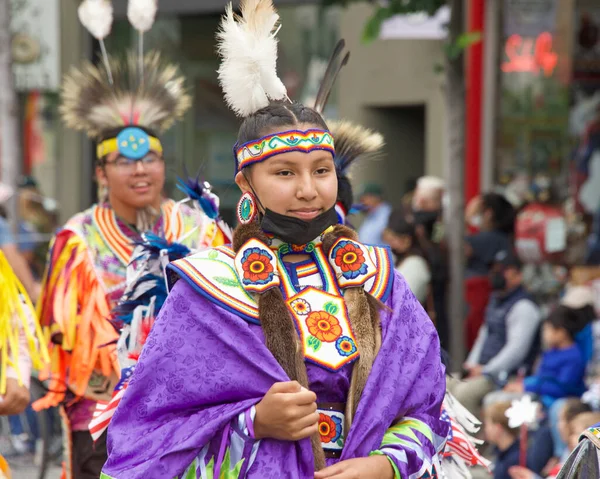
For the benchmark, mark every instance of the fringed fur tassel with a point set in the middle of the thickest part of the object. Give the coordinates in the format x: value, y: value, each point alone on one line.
x: 363, y: 312
x: 279, y: 330
x: 146, y: 218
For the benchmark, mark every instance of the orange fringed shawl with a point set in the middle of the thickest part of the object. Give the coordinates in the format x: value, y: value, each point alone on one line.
x: 74, y: 305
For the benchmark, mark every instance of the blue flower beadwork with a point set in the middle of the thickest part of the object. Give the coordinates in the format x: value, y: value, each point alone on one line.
x: 345, y: 346
x: 338, y: 428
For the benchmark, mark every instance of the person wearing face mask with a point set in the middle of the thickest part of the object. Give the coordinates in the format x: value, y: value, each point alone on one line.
x: 508, y: 338
x: 427, y: 207
x: 297, y: 351
x: 123, y: 107
x: 426, y: 214
x: 493, y: 218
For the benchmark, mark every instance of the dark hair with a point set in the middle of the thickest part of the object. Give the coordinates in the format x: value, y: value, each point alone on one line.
x: 502, y: 210
x: 277, y: 115
x: 573, y: 407
x: 345, y: 193
x: 281, y: 114
x: 398, y: 224
x: 572, y: 320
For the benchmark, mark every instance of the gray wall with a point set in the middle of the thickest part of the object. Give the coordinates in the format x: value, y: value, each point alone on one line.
x: 404, y: 131
x: 394, y: 73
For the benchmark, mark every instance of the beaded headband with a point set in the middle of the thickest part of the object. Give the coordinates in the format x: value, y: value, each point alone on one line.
x: 283, y: 142
x: 132, y: 142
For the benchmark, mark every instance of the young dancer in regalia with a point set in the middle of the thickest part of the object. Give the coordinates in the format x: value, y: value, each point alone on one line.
x: 123, y: 106
x: 297, y: 349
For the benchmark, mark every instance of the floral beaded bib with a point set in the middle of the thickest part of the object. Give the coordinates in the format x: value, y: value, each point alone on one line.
x: 319, y: 313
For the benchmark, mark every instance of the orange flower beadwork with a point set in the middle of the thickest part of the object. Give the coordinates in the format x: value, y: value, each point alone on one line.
x: 350, y: 259
x: 324, y: 326
x: 327, y: 428
x: 257, y: 266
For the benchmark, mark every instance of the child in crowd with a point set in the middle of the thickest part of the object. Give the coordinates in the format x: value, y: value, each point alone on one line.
x: 507, y: 443
x: 572, y: 408
x: 562, y: 368
x: 579, y: 424
x: 573, y: 430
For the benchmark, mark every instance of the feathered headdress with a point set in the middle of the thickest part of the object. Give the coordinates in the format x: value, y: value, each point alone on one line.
x: 91, y: 103
x: 248, y: 47
x: 337, y: 61
x: 352, y: 143
x: 130, y: 100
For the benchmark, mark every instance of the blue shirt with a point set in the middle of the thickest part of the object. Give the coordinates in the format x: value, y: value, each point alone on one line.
x: 485, y: 245
x: 539, y: 452
x: 375, y: 223
x: 6, y: 236
x: 559, y: 375
x: 28, y: 237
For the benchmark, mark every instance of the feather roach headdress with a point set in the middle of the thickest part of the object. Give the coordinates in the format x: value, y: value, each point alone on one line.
x: 352, y: 143
x: 153, y: 99
x: 125, y: 102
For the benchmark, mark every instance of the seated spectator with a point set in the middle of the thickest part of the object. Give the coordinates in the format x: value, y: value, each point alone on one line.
x: 409, y: 258
x: 571, y: 408
x: 494, y: 218
x: 580, y: 302
x: 507, y: 443
x: 562, y: 369
x: 506, y: 340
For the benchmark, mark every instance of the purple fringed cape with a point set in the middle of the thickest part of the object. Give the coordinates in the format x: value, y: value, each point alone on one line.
x: 188, y: 408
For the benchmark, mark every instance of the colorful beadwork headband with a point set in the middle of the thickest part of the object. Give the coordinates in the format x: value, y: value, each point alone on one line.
x: 294, y: 140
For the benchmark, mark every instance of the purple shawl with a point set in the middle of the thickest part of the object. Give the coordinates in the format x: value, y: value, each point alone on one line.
x: 203, y: 367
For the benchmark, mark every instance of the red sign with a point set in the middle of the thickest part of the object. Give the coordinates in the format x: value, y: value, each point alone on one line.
x: 531, y: 55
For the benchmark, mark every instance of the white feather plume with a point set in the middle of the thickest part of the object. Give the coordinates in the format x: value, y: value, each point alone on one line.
x: 96, y: 16
x: 141, y: 14
x: 248, y: 48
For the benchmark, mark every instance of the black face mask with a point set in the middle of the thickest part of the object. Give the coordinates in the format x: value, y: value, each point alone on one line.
x: 498, y: 281
x: 294, y: 230
x: 425, y: 218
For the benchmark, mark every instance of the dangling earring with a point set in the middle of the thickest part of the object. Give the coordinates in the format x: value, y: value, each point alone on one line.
x: 247, y: 210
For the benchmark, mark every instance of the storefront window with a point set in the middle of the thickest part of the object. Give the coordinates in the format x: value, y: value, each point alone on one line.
x: 533, y: 139
x: 203, y: 142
